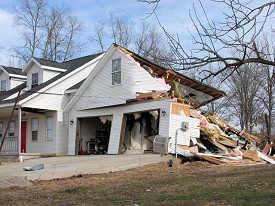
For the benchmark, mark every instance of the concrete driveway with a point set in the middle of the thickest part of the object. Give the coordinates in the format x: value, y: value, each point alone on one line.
x: 61, y: 167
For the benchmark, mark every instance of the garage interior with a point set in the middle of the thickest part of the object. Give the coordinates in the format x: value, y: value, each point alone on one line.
x: 93, y: 135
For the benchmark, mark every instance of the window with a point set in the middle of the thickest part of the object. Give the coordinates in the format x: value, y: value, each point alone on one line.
x: 116, y: 71
x: 12, y: 129
x: 34, y: 129
x: 34, y: 79
x: 3, y: 86
x: 1, y: 129
x: 49, y: 128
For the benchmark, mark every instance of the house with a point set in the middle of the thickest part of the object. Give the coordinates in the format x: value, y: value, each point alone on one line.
x: 108, y: 103
x: 126, y: 101
x: 37, y: 125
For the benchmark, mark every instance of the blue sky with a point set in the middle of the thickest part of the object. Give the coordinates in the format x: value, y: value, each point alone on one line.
x: 173, y: 14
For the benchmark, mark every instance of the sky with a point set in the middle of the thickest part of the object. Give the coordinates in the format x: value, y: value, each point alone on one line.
x: 173, y: 15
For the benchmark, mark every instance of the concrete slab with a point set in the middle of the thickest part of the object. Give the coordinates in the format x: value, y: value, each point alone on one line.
x: 62, y: 167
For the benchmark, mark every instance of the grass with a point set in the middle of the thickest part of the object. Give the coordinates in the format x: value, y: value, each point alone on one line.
x: 189, y: 184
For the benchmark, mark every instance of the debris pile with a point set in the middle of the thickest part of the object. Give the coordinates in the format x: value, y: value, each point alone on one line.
x: 220, y: 143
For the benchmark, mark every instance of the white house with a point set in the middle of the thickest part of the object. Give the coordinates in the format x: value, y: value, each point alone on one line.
x: 127, y: 100
x: 114, y: 102
x: 37, y: 124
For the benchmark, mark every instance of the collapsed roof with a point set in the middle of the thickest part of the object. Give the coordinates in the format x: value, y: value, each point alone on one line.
x: 193, y: 91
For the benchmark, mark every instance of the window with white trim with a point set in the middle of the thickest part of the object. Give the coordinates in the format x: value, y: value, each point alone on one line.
x: 49, y: 128
x: 34, y: 129
x: 12, y: 129
x: 3, y: 86
x: 34, y: 79
x: 116, y: 71
x: 1, y: 129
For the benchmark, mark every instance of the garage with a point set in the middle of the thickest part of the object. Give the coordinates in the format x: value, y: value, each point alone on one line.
x: 93, y: 135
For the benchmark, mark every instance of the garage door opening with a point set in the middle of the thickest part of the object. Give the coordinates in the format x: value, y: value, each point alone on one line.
x: 93, y: 135
x: 140, y: 128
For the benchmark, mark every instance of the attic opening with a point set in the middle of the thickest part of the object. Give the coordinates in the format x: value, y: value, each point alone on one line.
x: 93, y: 135
x: 139, y: 131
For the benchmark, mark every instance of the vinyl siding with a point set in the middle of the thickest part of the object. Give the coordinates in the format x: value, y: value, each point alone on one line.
x: 183, y: 137
x: 101, y: 92
x: 42, y: 145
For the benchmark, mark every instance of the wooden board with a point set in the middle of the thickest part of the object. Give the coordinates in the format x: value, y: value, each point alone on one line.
x: 177, y: 107
x: 211, y: 159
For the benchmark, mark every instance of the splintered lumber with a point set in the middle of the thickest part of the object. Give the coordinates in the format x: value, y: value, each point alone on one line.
x: 266, y: 158
x: 148, y: 95
x: 222, y: 123
x: 226, y: 141
x: 252, y: 155
x: 210, y: 158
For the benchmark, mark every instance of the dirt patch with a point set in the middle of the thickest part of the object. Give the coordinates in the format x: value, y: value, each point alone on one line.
x: 6, y: 182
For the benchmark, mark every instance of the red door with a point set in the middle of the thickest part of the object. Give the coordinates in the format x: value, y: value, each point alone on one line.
x: 23, y: 136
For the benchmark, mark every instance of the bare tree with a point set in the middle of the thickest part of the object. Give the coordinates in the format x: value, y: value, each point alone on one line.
x: 48, y: 32
x: 29, y: 17
x: 100, y: 35
x: 244, y: 86
x: 151, y: 44
x: 266, y: 46
x: 216, y: 40
x: 122, y: 30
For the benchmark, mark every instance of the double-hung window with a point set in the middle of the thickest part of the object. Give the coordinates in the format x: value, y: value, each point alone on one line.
x: 3, y: 86
x: 34, y: 129
x: 12, y: 129
x: 49, y: 128
x: 34, y: 79
x: 116, y: 71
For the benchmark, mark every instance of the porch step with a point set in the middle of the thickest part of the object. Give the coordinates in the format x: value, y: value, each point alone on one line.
x: 9, y: 157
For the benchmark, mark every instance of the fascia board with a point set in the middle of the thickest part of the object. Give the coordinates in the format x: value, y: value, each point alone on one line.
x: 18, y: 76
x: 53, y: 68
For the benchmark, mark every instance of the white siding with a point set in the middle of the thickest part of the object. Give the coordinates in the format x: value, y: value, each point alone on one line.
x: 101, y: 92
x: 41, y: 145
x: 14, y: 82
x: 48, y: 74
x: 183, y: 137
x: 62, y: 131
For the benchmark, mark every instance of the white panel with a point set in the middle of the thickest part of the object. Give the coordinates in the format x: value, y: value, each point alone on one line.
x: 48, y: 74
x: 115, y: 134
x: 183, y: 137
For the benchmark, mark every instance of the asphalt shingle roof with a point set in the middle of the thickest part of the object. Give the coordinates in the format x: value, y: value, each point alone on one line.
x: 72, y: 65
x: 49, y: 63
x: 13, y: 70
